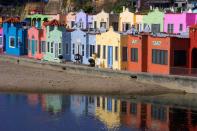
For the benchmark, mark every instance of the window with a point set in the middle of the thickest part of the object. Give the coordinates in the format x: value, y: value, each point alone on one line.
x: 92, y: 50
x: 109, y: 104
x: 29, y: 44
x: 11, y: 43
x: 51, y: 47
x: 60, y: 48
x: 170, y: 28
x: 145, y: 25
x: 115, y: 106
x: 103, y: 104
x: 98, y: 51
x: 155, y: 28
x: 160, y: 57
x: 124, y: 107
x: 43, y: 46
x: 104, y: 52
x: 1, y: 40
x: 95, y: 25
x: 48, y: 47
x: 67, y: 48
x: 82, y: 50
x: 116, y: 53
x: 134, y: 54
x: 181, y: 27
x: 98, y: 101
x: 72, y: 24
x: 124, y: 53
x: 103, y: 24
x: 133, y: 108
x: 158, y: 113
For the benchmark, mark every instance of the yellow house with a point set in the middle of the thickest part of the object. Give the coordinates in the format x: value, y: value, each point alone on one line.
x: 108, y: 111
x: 111, y: 50
x: 126, y: 20
x: 138, y: 19
x: 102, y: 20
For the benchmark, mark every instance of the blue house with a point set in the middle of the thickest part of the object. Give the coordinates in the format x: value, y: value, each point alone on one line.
x: 15, y: 37
x: 79, y: 42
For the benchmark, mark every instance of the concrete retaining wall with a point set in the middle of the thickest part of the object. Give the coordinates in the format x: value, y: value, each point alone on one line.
x: 186, y: 83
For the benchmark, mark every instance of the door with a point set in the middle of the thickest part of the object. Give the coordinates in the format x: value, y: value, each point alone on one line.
x: 33, y: 47
x: 56, y: 50
x: 110, y: 56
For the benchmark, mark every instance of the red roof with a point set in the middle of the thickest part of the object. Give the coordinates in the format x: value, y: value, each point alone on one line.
x: 12, y: 20
x: 53, y: 23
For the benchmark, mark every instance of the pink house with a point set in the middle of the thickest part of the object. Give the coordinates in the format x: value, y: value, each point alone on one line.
x: 1, y: 40
x: 36, y: 42
x: 179, y: 22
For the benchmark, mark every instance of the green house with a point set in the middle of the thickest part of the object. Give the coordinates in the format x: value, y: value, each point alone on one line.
x: 154, y: 21
x: 54, y: 35
x: 37, y: 19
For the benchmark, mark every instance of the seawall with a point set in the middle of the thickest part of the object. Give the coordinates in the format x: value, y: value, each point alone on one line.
x: 184, y: 83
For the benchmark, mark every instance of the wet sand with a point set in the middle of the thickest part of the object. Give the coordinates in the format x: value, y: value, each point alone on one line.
x: 20, y: 78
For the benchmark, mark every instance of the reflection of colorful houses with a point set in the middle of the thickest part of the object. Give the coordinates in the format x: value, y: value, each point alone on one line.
x: 177, y: 23
x: 33, y: 99
x: 144, y: 116
x: 102, y: 20
x: 82, y: 105
x: 54, y: 48
x: 154, y: 21
x: 36, y: 42
x: 126, y: 20
x: 111, y: 50
x: 54, y: 103
x: 15, y: 37
x: 80, y: 42
x: 1, y: 40
x: 108, y: 111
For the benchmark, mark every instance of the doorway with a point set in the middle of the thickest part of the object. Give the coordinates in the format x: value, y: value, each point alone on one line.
x: 194, y: 58
x: 110, y: 56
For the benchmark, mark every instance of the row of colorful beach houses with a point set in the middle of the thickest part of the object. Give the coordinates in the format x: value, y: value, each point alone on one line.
x: 137, y: 51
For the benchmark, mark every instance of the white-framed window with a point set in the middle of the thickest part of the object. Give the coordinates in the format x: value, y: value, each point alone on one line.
x: 60, y: 48
x: 12, y: 42
x: 43, y: 46
x: 1, y: 40
x: 52, y: 47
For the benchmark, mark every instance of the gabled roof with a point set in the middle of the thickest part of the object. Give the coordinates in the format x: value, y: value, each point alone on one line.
x: 12, y: 20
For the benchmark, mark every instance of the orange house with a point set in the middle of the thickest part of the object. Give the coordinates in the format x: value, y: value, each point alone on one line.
x: 137, y: 53
x: 168, y: 54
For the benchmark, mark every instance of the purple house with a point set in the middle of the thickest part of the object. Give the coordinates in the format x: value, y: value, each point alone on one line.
x: 1, y: 40
x: 179, y: 22
x: 81, y: 20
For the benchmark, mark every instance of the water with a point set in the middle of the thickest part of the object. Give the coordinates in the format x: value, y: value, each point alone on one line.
x: 55, y: 112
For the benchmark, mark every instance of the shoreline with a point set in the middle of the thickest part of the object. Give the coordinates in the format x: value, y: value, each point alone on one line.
x: 21, y: 78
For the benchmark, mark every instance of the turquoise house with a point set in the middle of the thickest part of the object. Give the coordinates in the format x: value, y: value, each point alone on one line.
x: 15, y: 37
x: 154, y: 21
x: 79, y: 42
x: 54, y: 34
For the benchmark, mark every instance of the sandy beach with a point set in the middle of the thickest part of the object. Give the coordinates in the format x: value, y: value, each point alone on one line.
x: 20, y: 78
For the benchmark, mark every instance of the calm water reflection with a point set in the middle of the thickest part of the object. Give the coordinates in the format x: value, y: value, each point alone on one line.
x: 46, y: 112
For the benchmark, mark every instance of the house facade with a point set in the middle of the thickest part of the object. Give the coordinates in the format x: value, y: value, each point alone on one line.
x: 179, y: 22
x: 15, y: 37
x: 81, y: 20
x: 102, y: 20
x: 70, y: 19
x: 81, y: 43
x: 126, y: 20
x: 138, y: 20
x: 36, y: 42
x: 153, y: 21
x: 167, y: 55
x: 54, y: 44
x: 111, y: 51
